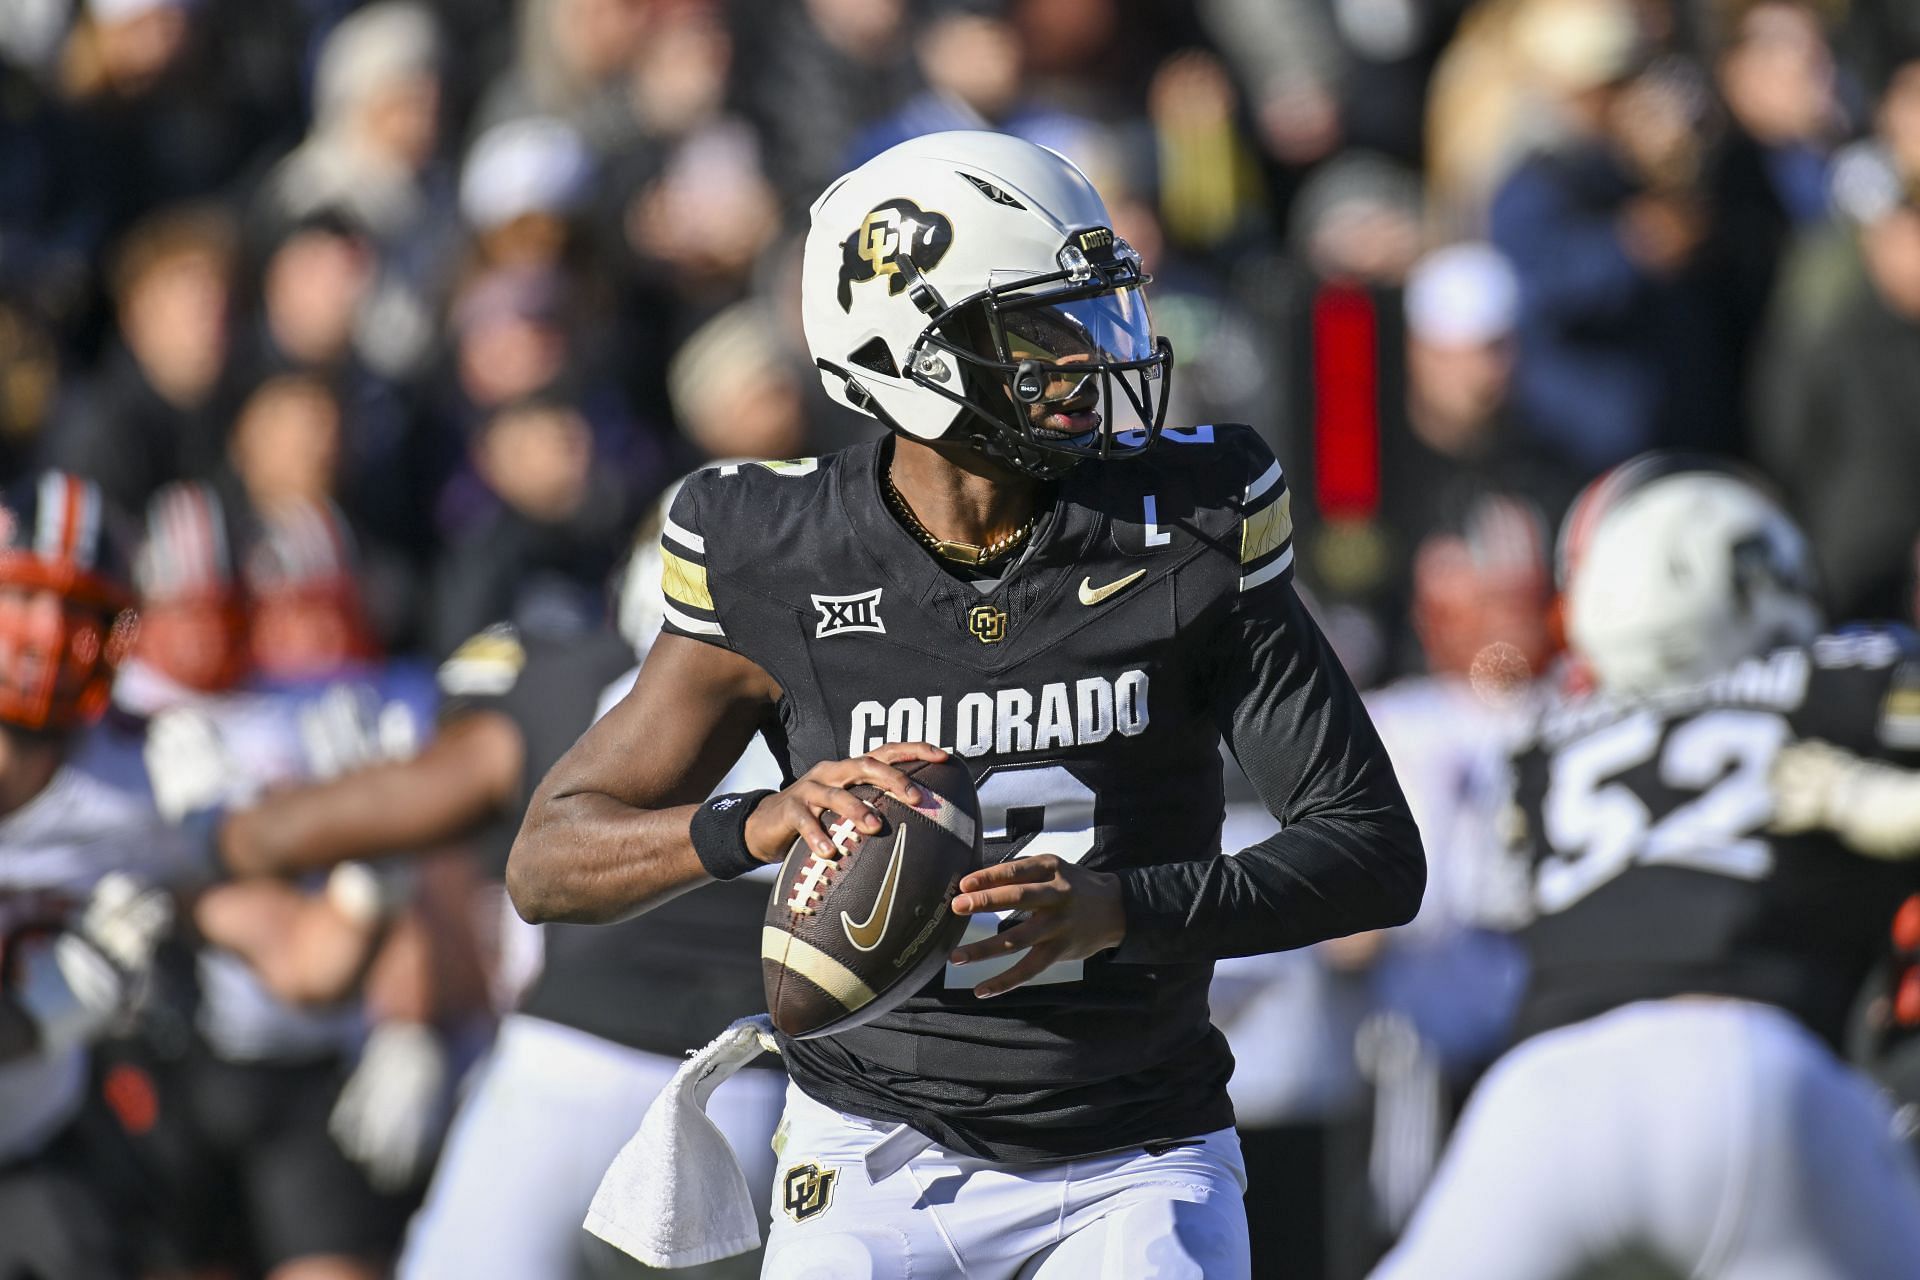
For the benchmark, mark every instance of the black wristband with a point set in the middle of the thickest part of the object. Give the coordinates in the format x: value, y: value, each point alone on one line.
x: 719, y: 832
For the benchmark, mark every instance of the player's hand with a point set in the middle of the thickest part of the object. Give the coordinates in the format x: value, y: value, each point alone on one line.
x: 1874, y: 808
x: 1072, y: 913
x: 780, y: 817
x: 390, y: 1112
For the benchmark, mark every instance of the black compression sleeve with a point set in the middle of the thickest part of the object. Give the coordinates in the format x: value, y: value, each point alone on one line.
x: 1349, y: 856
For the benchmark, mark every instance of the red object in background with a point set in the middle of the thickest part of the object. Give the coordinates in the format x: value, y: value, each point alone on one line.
x: 1906, y: 999
x: 130, y: 1093
x: 1346, y: 403
x: 1906, y: 926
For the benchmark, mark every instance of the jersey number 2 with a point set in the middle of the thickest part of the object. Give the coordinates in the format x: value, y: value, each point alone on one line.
x: 1052, y: 811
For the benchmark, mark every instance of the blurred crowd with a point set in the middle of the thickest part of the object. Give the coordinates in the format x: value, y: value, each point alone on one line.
x: 475, y: 278
x: 431, y: 299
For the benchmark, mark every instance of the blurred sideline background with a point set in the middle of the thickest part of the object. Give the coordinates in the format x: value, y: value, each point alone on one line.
x: 435, y: 297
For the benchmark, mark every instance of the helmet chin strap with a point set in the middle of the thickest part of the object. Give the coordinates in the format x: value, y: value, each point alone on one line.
x: 1040, y: 464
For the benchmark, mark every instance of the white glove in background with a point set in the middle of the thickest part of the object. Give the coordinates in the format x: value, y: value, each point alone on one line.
x: 391, y: 1110
x: 75, y: 983
x: 1873, y: 807
x: 190, y: 766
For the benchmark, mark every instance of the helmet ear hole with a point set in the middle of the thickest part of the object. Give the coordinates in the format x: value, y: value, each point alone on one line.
x: 875, y: 355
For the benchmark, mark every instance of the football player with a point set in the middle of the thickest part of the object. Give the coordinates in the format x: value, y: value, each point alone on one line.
x: 602, y: 1026
x: 80, y: 859
x: 1706, y: 907
x: 1002, y: 573
x: 241, y: 1143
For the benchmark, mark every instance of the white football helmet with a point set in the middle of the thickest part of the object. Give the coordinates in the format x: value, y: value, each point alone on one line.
x: 1684, y: 576
x: 968, y: 285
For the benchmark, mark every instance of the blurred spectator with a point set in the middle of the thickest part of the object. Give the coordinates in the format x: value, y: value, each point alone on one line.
x: 512, y: 337
x: 573, y: 58
x: 1209, y: 185
x: 169, y: 100
x: 1900, y: 115
x: 679, y: 79
x: 733, y: 393
x: 1618, y: 349
x: 523, y: 184
x: 698, y: 232
x: 309, y: 617
x: 1836, y: 425
x: 1355, y: 232
x: 29, y: 378
x: 193, y: 613
x: 285, y: 446
x: 313, y: 287
x: 376, y: 122
x: 709, y: 216
x: 1327, y: 72
x: 1768, y: 177
x: 970, y: 61
x: 821, y: 70
x: 31, y: 31
x: 315, y: 302
x: 538, y: 553
x: 371, y: 155
x: 1286, y: 56
x: 1357, y: 220
x: 152, y: 412
x: 1460, y: 435
x: 48, y: 234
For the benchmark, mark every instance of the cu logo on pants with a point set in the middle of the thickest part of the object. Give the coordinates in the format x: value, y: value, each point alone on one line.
x: 807, y: 1190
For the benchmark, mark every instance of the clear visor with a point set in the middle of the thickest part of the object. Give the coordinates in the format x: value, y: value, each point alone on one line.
x: 1108, y: 328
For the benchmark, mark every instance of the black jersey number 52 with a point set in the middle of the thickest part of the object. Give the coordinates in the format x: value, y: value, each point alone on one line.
x: 1597, y: 825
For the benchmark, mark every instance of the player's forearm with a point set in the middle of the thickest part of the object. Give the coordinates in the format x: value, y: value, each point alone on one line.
x: 303, y: 948
x: 462, y: 779
x: 1322, y: 877
x: 586, y: 858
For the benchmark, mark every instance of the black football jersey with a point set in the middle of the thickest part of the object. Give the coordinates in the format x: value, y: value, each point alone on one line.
x: 664, y: 982
x: 1088, y: 690
x: 1653, y: 871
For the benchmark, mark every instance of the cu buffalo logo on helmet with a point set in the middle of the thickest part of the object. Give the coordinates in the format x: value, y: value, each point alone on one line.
x: 897, y: 231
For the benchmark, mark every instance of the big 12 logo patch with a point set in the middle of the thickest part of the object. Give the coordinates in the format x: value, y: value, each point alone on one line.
x: 897, y: 230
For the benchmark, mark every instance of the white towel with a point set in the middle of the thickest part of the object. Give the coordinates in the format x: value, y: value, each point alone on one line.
x: 675, y: 1195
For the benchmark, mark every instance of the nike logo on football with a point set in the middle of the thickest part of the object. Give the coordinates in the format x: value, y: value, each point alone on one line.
x: 1090, y: 594
x: 867, y: 934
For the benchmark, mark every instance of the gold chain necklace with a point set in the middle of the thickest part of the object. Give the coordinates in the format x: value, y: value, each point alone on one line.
x: 958, y: 552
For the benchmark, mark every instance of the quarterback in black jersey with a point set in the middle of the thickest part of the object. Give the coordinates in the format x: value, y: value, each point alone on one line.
x: 1708, y: 904
x: 1000, y: 577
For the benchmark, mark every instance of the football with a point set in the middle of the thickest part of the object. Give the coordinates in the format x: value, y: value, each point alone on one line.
x: 850, y: 936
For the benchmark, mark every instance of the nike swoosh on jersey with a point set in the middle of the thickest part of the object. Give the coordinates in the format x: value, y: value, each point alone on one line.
x: 1090, y: 594
x: 867, y: 934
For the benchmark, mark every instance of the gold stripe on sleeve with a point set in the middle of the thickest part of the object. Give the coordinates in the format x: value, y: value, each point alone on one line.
x: 684, y: 581
x: 1266, y: 529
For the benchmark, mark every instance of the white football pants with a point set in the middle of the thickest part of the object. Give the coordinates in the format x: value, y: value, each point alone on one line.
x: 1173, y: 1216
x: 535, y: 1135
x: 1721, y: 1135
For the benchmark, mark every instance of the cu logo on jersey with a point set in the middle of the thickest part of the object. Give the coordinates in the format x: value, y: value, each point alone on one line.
x: 841, y: 614
x: 807, y: 1191
x: 898, y: 230
x: 987, y: 624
